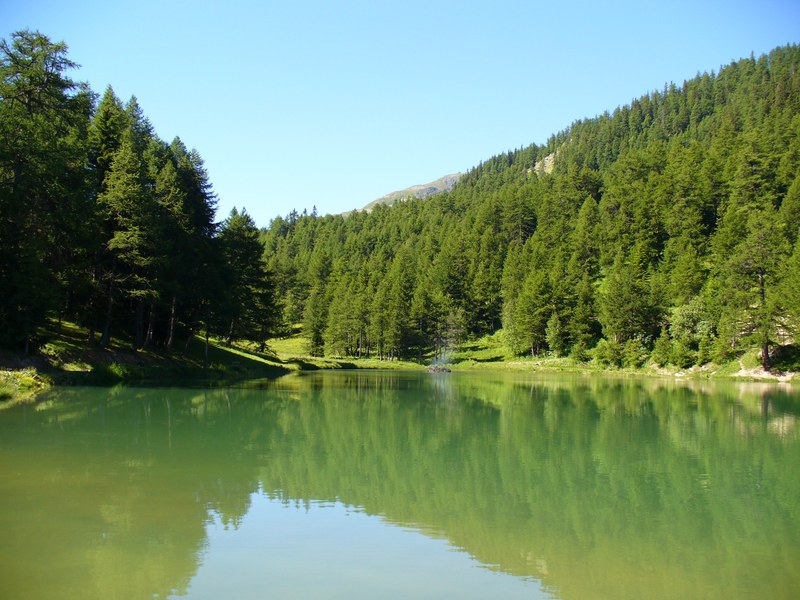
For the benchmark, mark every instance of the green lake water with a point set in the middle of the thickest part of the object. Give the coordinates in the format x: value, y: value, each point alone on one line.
x: 404, y: 485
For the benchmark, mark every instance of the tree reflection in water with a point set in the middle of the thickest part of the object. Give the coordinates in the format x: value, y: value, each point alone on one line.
x: 596, y: 487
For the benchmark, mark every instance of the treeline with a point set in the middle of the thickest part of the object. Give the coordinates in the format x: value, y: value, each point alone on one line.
x: 104, y: 223
x: 667, y: 229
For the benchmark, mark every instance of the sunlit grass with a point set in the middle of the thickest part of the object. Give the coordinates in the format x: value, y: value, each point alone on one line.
x: 20, y: 386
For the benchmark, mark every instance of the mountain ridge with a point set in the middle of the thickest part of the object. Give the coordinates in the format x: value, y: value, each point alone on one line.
x: 420, y: 191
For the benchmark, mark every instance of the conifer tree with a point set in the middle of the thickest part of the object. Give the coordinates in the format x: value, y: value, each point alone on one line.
x: 248, y: 311
x: 43, y: 186
x: 129, y: 206
x: 752, y: 276
x: 315, y: 318
x: 627, y: 307
x: 533, y: 310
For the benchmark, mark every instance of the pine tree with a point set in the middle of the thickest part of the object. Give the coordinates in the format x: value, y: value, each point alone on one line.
x: 752, y: 276
x: 554, y: 334
x: 105, y: 135
x: 43, y: 185
x: 129, y: 206
x: 249, y: 310
x: 627, y: 307
x: 790, y: 290
x: 533, y: 309
x: 315, y: 318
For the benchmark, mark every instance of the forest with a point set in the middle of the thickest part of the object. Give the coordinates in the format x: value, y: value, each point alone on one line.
x: 664, y: 231
x: 105, y: 224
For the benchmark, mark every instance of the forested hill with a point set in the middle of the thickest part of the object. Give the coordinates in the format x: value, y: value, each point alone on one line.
x: 667, y: 228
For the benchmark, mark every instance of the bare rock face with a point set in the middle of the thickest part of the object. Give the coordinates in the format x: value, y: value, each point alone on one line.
x: 438, y: 369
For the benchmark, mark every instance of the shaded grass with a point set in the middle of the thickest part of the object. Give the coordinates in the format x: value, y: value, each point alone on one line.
x: 787, y: 359
x: 66, y: 357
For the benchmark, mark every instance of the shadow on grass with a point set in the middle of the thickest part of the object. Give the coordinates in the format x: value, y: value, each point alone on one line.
x: 472, y: 359
x: 786, y: 358
x: 304, y: 365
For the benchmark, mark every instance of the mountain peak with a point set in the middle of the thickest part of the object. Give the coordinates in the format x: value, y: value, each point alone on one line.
x: 425, y: 190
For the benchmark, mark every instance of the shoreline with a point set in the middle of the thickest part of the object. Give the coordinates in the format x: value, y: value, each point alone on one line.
x: 66, y: 359
x: 25, y: 384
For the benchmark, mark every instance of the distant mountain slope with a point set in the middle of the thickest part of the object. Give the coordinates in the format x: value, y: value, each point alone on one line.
x: 443, y: 184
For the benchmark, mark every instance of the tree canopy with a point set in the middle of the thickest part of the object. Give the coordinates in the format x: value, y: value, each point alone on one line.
x: 103, y: 222
x: 668, y: 226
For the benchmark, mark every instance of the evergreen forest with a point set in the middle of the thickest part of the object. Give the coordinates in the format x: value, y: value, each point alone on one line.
x: 105, y: 224
x: 664, y: 231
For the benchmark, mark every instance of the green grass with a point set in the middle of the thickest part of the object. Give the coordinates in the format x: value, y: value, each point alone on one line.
x: 293, y: 350
x: 20, y: 385
x: 65, y: 357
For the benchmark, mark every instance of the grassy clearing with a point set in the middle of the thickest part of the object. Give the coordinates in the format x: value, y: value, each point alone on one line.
x: 491, y: 353
x: 67, y: 358
x: 293, y: 350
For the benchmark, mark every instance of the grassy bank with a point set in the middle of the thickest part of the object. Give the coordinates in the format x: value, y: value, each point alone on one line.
x: 66, y: 358
x: 491, y: 353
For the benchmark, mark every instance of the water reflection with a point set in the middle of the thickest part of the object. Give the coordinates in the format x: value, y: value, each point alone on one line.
x: 596, y: 488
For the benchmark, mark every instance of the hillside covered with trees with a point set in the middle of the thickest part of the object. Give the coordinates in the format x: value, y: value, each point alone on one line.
x: 105, y: 224
x: 666, y: 229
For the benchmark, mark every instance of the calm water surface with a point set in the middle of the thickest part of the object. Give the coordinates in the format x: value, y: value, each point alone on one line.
x: 366, y: 485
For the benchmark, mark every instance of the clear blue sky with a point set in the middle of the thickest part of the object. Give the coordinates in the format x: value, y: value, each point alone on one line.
x: 294, y: 104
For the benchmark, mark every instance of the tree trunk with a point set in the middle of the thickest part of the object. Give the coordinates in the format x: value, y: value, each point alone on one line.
x: 106, y: 337
x: 229, y: 339
x: 139, y: 325
x: 148, y: 339
x: 205, y: 358
x: 765, y: 322
x: 171, y: 334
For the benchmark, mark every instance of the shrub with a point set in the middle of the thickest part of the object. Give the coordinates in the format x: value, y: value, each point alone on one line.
x: 662, y: 349
x: 635, y: 353
x: 580, y: 352
x: 682, y: 355
x: 608, y: 353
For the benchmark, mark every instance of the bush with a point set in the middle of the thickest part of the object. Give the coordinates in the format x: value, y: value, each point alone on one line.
x: 117, y: 372
x: 704, y: 350
x: 608, y: 353
x: 635, y: 353
x: 662, y: 349
x: 682, y: 355
x: 786, y: 358
x: 579, y: 352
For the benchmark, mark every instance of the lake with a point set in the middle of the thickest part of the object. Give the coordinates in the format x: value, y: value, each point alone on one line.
x: 360, y: 484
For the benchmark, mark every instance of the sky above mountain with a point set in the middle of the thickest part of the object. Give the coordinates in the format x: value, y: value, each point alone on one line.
x: 333, y: 104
